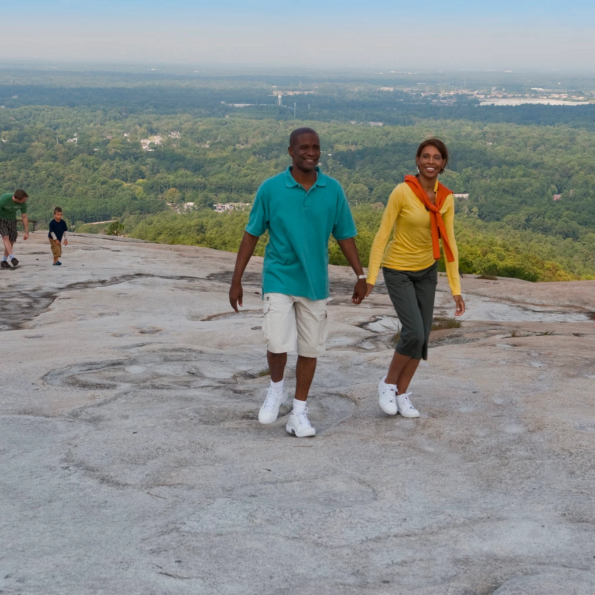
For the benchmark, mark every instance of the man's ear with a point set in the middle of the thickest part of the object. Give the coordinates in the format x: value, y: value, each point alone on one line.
x: 290, y: 151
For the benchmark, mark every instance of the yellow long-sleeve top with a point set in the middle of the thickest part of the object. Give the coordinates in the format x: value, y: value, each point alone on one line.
x: 410, y: 248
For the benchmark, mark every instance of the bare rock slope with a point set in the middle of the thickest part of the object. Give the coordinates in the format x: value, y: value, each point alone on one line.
x: 133, y: 462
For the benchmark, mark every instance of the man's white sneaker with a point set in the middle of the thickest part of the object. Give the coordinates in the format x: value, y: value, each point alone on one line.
x: 406, y: 409
x: 299, y: 424
x: 270, y: 408
x: 387, y: 397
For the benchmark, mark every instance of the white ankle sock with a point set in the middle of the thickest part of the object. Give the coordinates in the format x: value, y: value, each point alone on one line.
x: 278, y: 386
x: 298, y: 406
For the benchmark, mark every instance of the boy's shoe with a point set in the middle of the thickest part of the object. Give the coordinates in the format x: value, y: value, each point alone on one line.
x: 15, y: 262
x: 58, y: 264
x: 270, y: 408
x: 5, y: 264
x: 387, y: 397
x: 406, y: 409
x: 299, y: 425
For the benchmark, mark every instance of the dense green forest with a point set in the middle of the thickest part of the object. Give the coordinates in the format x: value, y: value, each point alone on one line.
x: 137, y: 147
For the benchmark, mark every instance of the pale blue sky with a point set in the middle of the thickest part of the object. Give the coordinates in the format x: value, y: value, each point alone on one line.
x: 376, y: 33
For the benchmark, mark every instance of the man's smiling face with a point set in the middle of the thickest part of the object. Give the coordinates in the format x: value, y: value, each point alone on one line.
x: 305, y: 152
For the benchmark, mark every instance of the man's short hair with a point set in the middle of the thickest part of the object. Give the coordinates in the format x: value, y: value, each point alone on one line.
x: 57, y: 210
x: 19, y: 194
x: 298, y: 132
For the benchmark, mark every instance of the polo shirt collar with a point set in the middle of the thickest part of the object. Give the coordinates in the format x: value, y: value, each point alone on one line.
x: 290, y: 180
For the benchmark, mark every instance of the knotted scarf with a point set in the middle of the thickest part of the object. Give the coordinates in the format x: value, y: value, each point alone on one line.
x: 438, y: 227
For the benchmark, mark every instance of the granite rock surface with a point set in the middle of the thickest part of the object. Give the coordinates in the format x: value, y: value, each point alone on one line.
x: 133, y: 462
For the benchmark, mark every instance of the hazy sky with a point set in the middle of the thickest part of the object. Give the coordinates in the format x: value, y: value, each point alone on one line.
x: 505, y: 34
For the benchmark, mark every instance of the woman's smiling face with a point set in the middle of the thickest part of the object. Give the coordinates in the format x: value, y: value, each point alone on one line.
x: 430, y: 162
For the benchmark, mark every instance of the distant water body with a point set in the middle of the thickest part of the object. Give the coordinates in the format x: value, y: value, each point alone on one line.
x: 521, y: 101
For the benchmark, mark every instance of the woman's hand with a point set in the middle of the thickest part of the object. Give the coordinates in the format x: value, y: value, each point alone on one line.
x: 369, y: 289
x: 460, y: 302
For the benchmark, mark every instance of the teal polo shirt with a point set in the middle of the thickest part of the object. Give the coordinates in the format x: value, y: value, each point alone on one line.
x: 300, y: 225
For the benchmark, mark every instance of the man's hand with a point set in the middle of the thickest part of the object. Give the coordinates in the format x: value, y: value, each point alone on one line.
x: 359, y: 291
x: 65, y: 242
x: 236, y: 293
x: 460, y: 302
x: 26, y: 236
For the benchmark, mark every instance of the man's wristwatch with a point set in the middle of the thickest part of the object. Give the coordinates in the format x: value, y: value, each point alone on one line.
x: 362, y: 276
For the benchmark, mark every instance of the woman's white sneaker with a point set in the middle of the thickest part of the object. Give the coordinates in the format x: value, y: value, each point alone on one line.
x: 387, y: 397
x: 270, y: 408
x: 406, y: 408
x: 299, y: 425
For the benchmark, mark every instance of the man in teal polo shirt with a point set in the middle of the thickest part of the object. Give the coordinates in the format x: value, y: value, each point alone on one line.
x: 301, y: 208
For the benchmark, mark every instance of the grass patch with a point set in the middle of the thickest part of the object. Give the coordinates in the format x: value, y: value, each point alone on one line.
x: 545, y: 334
x: 442, y: 322
x: 265, y: 372
x: 488, y: 277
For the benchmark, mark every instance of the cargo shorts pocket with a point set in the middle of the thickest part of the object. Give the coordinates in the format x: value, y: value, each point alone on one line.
x: 323, y: 330
x: 265, y: 327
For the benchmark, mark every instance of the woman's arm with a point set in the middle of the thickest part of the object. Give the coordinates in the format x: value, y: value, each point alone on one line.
x: 391, y: 212
x: 452, y: 268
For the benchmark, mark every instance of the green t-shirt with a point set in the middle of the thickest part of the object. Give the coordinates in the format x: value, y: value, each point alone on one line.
x: 300, y: 224
x: 9, y: 208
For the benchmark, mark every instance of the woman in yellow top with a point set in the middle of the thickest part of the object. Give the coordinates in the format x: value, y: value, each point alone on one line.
x: 419, y: 212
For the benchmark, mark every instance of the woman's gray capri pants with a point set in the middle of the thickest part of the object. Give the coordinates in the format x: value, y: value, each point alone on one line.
x: 412, y: 294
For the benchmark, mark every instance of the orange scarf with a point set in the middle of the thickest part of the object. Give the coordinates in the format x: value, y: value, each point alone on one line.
x: 438, y: 227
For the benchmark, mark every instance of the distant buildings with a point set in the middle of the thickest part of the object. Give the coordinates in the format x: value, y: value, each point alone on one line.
x: 557, y: 197
x: 180, y: 206
x: 147, y: 142
x: 376, y: 123
x: 462, y: 195
x: 230, y: 206
x: 293, y: 92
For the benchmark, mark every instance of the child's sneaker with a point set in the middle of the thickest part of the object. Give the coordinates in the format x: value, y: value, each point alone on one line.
x: 15, y: 262
x: 5, y: 264
x: 58, y: 264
